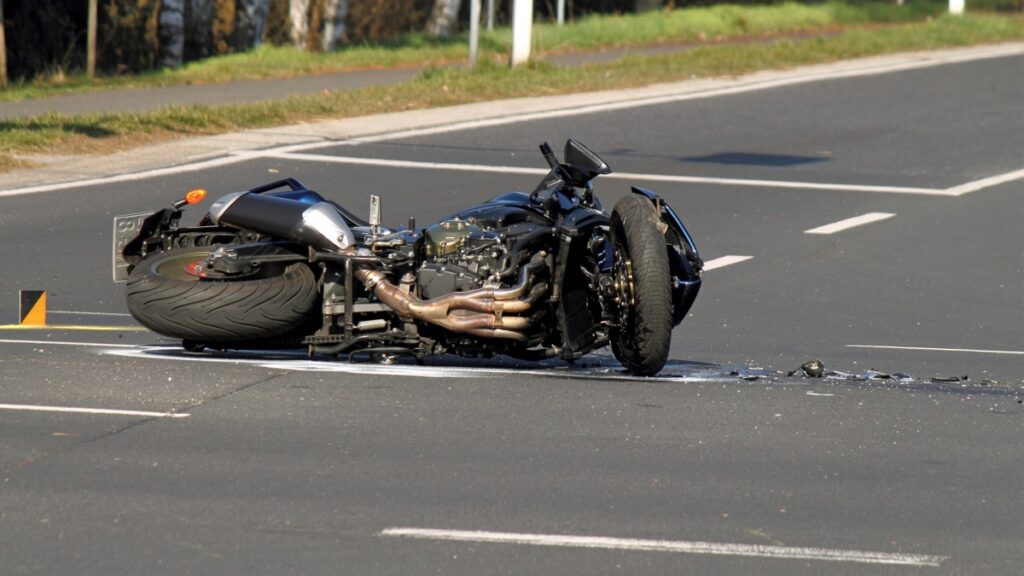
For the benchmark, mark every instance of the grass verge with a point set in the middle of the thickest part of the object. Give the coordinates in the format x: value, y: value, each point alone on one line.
x: 595, y: 32
x: 62, y: 134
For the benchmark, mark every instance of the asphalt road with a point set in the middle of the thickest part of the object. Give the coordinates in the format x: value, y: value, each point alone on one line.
x: 286, y: 466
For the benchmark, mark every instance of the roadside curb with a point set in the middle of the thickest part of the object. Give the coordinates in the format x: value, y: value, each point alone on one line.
x: 209, y: 151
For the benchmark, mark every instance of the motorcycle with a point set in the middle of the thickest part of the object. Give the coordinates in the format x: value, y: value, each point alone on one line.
x: 532, y: 276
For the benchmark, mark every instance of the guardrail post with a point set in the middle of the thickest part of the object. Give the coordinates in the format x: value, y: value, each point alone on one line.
x: 522, y: 23
x: 474, y: 31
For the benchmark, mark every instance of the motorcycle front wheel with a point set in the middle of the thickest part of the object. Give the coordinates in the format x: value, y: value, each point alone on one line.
x: 170, y: 293
x: 641, y: 339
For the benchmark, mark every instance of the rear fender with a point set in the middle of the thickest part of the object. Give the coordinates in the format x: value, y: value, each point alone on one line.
x: 684, y: 260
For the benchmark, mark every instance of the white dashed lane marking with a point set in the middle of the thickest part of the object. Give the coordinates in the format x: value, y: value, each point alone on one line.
x: 850, y: 223
x: 724, y: 261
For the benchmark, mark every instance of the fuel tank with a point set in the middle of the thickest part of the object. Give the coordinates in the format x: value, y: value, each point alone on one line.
x: 503, y: 211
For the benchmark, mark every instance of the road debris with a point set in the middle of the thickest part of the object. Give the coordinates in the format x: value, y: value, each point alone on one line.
x: 810, y: 369
x: 950, y: 379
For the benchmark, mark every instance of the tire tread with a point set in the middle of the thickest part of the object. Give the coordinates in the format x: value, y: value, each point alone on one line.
x: 220, y: 310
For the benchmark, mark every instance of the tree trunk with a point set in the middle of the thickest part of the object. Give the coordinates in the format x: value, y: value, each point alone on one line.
x: 298, y: 14
x: 199, y: 42
x: 172, y: 33
x: 252, y: 21
x: 335, y: 12
x: 444, y: 17
x: 3, y: 49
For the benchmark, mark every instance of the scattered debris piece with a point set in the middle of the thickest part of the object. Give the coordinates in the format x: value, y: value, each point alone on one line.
x: 750, y: 374
x: 867, y: 375
x: 811, y: 369
x: 810, y: 393
x: 949, y: 379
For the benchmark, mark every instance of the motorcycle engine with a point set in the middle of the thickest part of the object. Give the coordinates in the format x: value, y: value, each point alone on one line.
x: 461, y: 255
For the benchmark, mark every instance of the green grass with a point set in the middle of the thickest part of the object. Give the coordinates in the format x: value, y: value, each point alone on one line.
x: 58, y: 133
x: 594, y: 32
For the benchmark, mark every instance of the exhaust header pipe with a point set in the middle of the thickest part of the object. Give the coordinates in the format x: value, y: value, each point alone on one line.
x: 318, y: 225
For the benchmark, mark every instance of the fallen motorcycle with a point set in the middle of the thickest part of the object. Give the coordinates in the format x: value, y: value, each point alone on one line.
x: 540, y: 275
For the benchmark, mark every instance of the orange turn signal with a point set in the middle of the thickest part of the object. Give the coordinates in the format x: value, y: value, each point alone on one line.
x: 195, y: 196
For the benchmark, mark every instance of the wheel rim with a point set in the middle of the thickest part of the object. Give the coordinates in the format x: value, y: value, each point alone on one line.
x: 183, y: 267
x: 191, y: 267
x: 624, y: 282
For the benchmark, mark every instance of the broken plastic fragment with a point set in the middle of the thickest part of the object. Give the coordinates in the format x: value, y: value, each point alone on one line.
x: 750, y: 374
x: 811, y: 369
x: 948, y: 379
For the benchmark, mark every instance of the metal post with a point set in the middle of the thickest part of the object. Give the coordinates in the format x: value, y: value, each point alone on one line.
x: 522, y: 23
x: 561, y: 12
x: 90, y: 60
x: 956, y: 6
x: 490, y: 15
x: 474, y: 31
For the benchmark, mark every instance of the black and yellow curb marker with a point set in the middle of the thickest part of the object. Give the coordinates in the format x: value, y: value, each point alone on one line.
x: 33, y: 307
x: 32, y: 316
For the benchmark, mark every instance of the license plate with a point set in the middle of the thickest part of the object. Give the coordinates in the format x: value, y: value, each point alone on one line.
x: 126, y: 228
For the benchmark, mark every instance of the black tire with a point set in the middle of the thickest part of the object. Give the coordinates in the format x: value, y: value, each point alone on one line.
x: 166, y: 299
x: 641, y: 340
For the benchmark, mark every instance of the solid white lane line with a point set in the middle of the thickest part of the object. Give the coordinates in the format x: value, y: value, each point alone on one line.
x: 64, y: 343
x: 985, y: 183
x: 724, y: 261
x: 778, y: 184
x: 865, y: 69
x: 32, y: 408
x: 387, y: 163
x: 132, y: 177
x: 714, y: 548
x: 850, y: 223
x: 928, y: 349
x: 78, y: 313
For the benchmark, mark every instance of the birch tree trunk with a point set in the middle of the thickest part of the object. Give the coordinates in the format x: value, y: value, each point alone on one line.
x: 335, y: 12
x: 298, y: 15
x: 252, y: 21
x: 172, y: 32
x: 443, y: 17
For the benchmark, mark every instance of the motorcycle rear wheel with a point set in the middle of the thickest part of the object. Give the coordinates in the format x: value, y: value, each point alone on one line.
x: 169, y: 300
x: 641, y: 339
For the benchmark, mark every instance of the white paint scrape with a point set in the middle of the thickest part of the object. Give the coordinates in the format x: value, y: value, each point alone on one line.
x: 713, y: 548
x: 105, y: 411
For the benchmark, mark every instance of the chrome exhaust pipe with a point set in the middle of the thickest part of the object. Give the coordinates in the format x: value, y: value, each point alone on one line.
x: 318, y: 225
x: 474, y: 312
x: 524, y: 279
